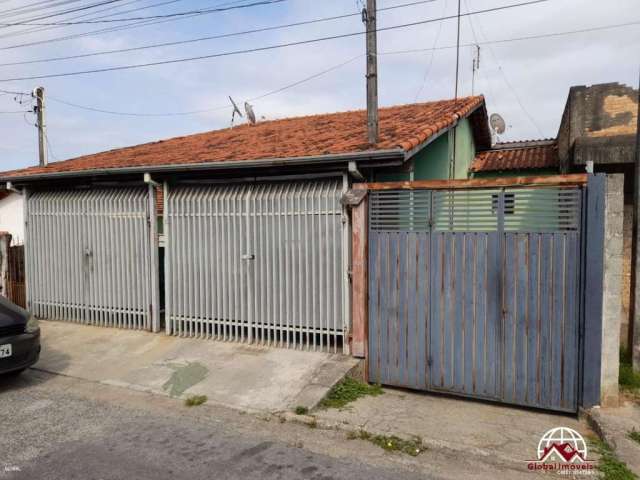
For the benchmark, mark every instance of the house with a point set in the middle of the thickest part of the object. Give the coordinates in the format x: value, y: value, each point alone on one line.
x: 598, y: 126
x: 243, y: 228
x: 250, y: 235
x: 12, y: 215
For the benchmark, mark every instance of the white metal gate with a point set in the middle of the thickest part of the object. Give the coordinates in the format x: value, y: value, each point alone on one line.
x: 89, y: 257
x: 260, y: 263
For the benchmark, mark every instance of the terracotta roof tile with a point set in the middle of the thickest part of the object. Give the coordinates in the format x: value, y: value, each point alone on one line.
x: 541, y: 154
x: 404, y: 127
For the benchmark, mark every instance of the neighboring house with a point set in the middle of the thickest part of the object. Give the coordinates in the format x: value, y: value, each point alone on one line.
x: 12, y: 215
x: 528, y: 157
x: 598, y: 125
x: 255, y: 238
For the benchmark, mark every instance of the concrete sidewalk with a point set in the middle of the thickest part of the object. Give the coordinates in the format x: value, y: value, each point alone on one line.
x: 614, y: 426
x: 230, y: 374
x: 497, y: 434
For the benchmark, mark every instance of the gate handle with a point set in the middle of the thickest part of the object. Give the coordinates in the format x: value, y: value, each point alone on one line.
x: 248, y: 256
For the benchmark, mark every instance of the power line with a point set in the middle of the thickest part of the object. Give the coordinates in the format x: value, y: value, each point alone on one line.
x: 151, y: 17
x: 223, y: 107
x: 510, y: 86
x: 259, y: 49
x: 323, y: 72
x: 210, y: 37
x: 129, y: 26
x: 515, y: 39
x: 433, y: 54
x: 73, y: 10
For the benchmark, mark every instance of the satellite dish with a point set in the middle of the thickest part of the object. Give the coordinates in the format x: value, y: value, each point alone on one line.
x: 251, y: 116
x: 235, y: 110
x: 497, y: 123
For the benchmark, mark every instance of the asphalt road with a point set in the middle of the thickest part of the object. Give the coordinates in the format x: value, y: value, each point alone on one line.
x: 61, y: 428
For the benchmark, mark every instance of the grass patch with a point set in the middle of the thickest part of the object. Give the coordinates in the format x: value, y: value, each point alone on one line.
x: 300, y: 410
x: 635, y: 436
x: 347, y: 391
x: 390, y: 443
x: 629, y: 380
x: 609, y: 465
x: 195, y: 400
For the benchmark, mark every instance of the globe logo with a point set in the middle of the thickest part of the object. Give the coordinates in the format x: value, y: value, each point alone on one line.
x: 562, y: 444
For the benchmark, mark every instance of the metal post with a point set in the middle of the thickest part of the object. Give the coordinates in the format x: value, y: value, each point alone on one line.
x: 634, y: 332
x: 372, y: 71
x: 42, y: 132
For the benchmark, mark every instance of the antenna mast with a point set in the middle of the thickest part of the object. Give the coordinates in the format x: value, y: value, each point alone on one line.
x: 476, y: 67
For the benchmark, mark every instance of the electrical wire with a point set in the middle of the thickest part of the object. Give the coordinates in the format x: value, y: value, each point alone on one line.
x: 182, y: 42
x: 207, y: 110
x: 258, y: 49
x: 150, y: 17
x: 510, y: 86
x: 323, y: 72
x: 433, y: 54
x: 210, y: 37
x: 92, y: 16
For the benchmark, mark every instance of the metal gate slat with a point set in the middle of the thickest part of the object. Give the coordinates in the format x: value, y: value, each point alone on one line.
x: 501, y: 293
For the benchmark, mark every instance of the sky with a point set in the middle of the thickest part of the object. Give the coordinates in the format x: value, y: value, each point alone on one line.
x: 526, y: 81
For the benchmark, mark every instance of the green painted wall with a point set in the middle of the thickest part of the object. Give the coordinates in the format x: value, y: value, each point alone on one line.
x: 432, y: 162
x: 515, y: 173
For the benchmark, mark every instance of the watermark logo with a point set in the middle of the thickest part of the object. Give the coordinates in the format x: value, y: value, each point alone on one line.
x: 564, y: 451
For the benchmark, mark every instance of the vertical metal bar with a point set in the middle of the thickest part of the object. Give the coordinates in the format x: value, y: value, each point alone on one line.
x: 345, y: 249
x: 28, y: 253
x: 154, y: 281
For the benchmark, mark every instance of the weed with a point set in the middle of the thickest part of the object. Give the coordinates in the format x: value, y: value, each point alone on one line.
x: 313, y: 424
x: 629, y: 380
x: 195, y: 400
x: 347, y: 391
x: 609, y: 465
x: 634, y: 435
x: 390, y: 443
x: 300, y: 410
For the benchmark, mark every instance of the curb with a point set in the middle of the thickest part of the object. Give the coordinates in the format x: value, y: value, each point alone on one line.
x: 427, y: 444
x: 592, y: 416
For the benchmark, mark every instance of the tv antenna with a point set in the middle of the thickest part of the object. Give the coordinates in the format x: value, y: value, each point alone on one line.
x: 251, y: 116
x: 476, y: 67
x: 235, y: 110
x: 498, y: 125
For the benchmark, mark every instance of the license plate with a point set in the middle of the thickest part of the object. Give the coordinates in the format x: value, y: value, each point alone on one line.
x: 6, y: 350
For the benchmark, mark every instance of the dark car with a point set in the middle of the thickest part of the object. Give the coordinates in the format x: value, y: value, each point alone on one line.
x: 19, y: 338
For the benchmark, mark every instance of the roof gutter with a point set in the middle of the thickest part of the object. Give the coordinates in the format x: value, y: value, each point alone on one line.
x: 397, y: 154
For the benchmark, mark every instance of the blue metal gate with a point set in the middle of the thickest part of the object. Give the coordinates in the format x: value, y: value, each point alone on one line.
x: 476, y: 291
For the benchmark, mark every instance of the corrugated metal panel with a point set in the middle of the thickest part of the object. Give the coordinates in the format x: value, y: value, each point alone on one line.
x: 476, y: 292
x: 258, y: 263
x: 89, y: 256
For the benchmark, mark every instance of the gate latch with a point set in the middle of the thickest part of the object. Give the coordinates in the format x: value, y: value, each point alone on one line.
x: 248, y: 256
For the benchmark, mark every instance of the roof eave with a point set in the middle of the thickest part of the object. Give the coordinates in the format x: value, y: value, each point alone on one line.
x: 366, y: 156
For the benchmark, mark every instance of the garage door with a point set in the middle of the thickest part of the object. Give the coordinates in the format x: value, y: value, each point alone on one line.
x: 89, y: 256
x: 257, y: 263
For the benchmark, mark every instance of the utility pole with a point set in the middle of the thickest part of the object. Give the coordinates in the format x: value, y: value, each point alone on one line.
x: 452, y: 164
x: 369, y: 17
x: 42, y: 127
x: 634, y: 334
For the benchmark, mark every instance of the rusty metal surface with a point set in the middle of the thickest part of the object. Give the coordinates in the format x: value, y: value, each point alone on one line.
x: 476, y: 293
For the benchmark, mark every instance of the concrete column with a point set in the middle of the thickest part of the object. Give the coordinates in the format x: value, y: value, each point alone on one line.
x: 5, y: 243
x: 359, y: 280
x: 612, y: 289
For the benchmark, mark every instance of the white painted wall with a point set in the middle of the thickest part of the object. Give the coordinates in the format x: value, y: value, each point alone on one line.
x: 12, y: 216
